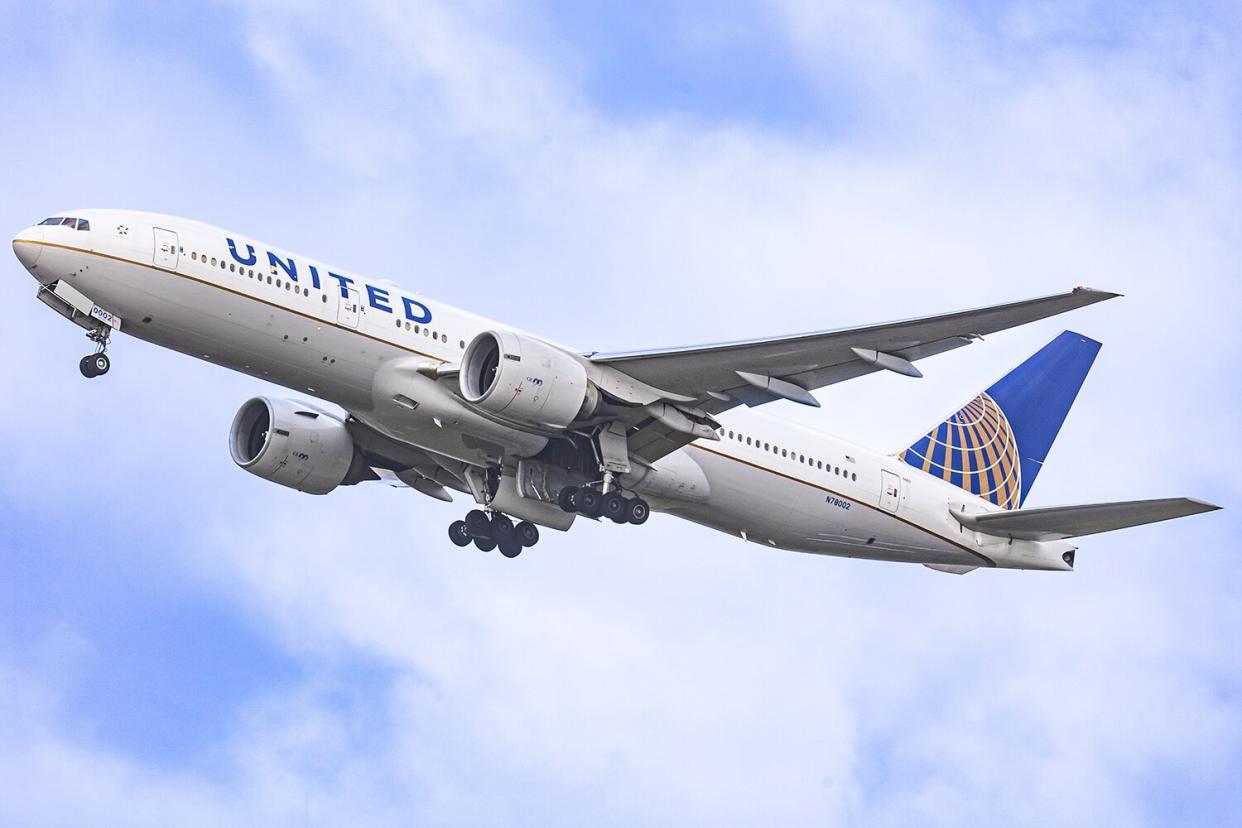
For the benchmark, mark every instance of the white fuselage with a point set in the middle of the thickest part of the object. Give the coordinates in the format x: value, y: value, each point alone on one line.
x: 337, y: 335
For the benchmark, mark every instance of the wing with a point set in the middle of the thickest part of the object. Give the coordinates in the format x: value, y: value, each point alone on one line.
x: 789, y: 367
x: 1059, y: 522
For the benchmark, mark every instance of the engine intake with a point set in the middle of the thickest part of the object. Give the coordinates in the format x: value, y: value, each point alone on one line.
x: 526, y: 380
x: 294, y: 444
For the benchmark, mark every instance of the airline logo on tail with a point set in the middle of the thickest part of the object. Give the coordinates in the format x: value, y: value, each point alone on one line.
x: 995, y: 445
x: 975, y: 449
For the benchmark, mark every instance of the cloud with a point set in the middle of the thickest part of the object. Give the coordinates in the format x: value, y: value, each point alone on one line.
x: 667, y: 674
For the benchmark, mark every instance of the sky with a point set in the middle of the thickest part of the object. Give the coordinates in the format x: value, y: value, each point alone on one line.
x: 181, y: 642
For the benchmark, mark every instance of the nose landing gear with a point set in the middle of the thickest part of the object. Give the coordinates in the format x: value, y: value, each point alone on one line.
x: 96, y: 364
x: 490, y: 531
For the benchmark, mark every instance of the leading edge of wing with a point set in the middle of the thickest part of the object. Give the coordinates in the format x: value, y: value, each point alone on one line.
x: 1086, y: 296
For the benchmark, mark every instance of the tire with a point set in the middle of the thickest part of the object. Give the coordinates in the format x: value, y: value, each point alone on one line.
x: 566, y: 500
x: 87, y: 366
x: 612, y: 506
x: 502, y: 527
x: 101, y: 364
x: 478, y: 523
x: 527, y: 533
x: 510, y: 547
x: 588, y: 502
x: 485, y: 544
x: 458, y: 533
x: 637, y: 511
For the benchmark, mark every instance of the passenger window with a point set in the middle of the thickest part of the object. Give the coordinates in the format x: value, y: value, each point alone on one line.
x: 222, y: 264
x: 325, y: 298
x: 444, y: 338
x: 269, y: 280
x: 213, y: 261
x: 462, y: 344
x: 854, y: 476
x: 194, y: 257
x: 232, y: 267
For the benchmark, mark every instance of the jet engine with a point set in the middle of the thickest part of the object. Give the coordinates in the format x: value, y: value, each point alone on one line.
x: 525, y: 380
x: 294, y: 444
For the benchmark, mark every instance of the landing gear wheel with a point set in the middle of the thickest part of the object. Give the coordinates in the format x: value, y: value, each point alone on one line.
x: 478, y: 524
x: 510, y: 547
x: 612, y: 506
x: 485, y: 544
x: 502, y: 529
x: 637, y: 511
x: 588, y: 501
x: 566, y: 499
x: 95, y: 365
x: 458, y: 533
x: 527, y: 533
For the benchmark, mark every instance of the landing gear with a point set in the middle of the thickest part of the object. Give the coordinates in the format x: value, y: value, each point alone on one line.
x: 458, y: 533
x: 490, y: 531
x: 614, y: 506
x: 96, y: 364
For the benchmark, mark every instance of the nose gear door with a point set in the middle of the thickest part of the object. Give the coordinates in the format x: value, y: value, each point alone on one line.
x: 166, y: 250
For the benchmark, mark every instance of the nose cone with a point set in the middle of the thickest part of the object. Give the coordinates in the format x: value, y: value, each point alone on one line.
x: 27, y: 247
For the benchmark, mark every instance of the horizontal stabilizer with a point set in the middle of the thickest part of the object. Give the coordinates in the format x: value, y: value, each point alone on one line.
x: 1057, y: 522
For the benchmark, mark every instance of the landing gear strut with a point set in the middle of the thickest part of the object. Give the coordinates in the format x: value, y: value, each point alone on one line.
x: 493, y: 530
x: 96, y: 364
x: 613, y: 505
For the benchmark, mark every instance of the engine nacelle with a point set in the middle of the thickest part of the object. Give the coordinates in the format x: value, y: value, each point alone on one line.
x: 525, y: 380
x: 293, y: 444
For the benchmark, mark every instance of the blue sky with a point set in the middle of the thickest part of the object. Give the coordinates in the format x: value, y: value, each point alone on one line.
x: 180, y: 641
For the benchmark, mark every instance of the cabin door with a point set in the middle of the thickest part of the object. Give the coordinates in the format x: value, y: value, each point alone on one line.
x: 890, y: 491
x: 166, y: 251
x: 347, y: 310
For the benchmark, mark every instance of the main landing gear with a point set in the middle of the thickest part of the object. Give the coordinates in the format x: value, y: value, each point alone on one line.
x: 615, y: 506
x: 493, y: 530
x: 96, y: 364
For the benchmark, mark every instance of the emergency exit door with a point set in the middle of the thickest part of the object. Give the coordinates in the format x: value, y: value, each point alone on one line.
x: 166, y: 250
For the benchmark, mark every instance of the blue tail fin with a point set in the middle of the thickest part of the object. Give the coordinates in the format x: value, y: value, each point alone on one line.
x: 996, y: 444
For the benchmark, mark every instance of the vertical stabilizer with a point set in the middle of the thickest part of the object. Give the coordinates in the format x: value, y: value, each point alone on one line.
x: 995, y: 445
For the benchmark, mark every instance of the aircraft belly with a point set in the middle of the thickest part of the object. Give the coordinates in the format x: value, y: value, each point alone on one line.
x: 775, y: 510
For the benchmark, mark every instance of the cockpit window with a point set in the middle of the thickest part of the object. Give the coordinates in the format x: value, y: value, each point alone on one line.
x: 75, y: 223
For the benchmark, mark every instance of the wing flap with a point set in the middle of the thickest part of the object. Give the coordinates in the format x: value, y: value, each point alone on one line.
x: 1059, y: 522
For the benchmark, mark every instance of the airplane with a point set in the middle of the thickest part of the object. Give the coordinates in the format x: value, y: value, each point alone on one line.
x: 538, y: 435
